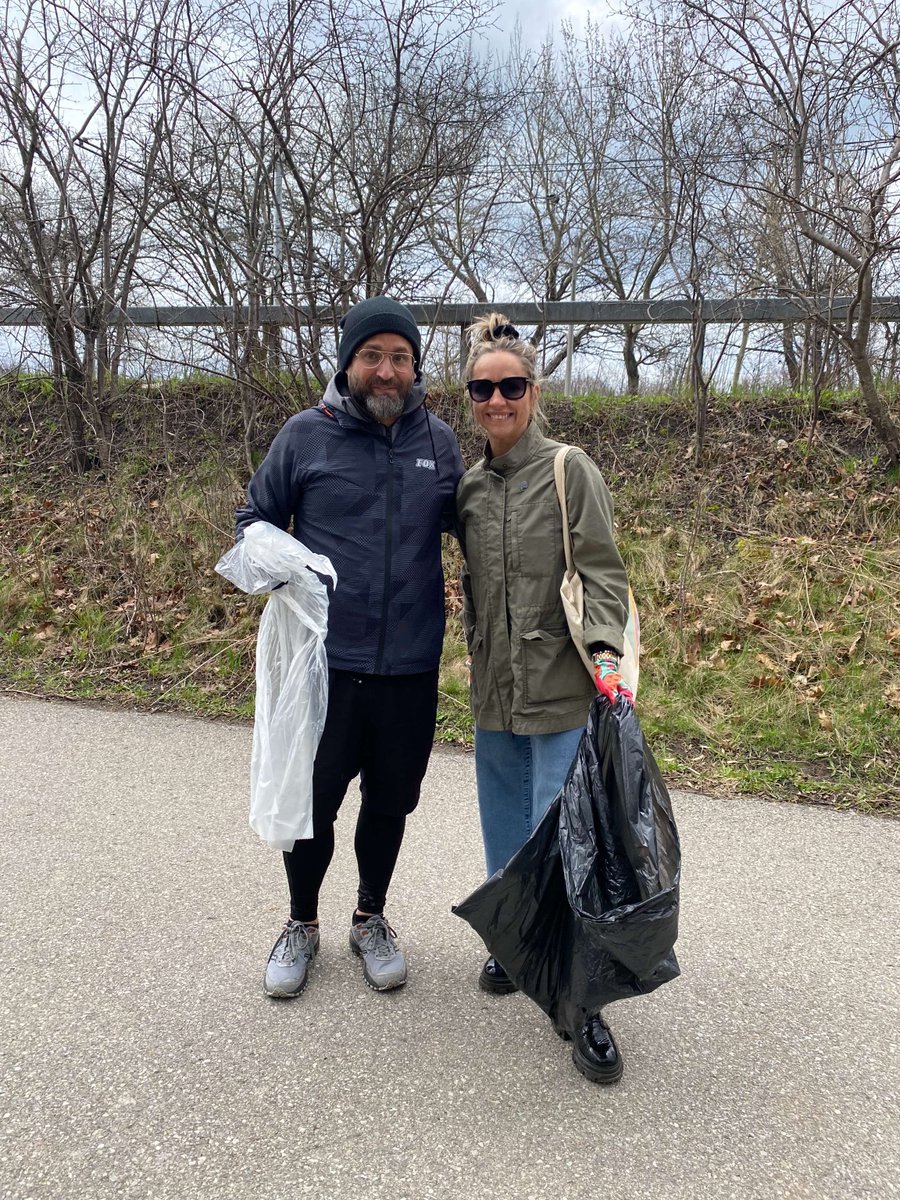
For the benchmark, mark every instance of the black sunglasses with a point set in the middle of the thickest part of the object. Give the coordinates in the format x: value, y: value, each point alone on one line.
x: 513, y: 387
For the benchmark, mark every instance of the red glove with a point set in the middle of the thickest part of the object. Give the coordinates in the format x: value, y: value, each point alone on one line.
x: 607, y: 677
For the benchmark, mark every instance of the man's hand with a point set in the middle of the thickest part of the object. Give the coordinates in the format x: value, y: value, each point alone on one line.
x: 607, y: 677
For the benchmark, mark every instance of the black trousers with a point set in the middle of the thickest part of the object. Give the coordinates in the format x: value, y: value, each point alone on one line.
x: 380, y: 727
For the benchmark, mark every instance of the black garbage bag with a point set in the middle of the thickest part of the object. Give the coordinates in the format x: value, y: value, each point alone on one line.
x: 587, y: 911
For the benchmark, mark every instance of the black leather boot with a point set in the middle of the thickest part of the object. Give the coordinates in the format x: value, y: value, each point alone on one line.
x: 494, y: 979
x: 595, y: 1053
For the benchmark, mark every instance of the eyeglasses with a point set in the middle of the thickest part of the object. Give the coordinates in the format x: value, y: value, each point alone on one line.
x: 374, y: 358
x: 513, y: 387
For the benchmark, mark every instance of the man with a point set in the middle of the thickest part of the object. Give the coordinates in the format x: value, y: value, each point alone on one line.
x: 368, y: 479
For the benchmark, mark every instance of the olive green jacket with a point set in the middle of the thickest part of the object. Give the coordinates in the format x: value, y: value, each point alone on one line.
x: 527, y: 676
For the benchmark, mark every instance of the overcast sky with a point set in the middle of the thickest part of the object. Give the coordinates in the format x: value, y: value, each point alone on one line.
x: 538, y: 16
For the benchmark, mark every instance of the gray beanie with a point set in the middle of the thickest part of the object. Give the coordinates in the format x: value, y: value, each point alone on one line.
x: 379, y: 314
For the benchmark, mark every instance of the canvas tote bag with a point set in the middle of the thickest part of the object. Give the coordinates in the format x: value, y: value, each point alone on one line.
x: 571, y: 592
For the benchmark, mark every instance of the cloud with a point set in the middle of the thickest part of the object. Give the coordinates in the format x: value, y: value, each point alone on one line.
x: 541, y: 17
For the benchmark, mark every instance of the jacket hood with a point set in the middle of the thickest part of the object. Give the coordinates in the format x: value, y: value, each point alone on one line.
x: 337, y: 396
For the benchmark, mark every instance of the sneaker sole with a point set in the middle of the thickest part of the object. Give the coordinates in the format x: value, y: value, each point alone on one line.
x: 383, y: 987
x: 279, y: 994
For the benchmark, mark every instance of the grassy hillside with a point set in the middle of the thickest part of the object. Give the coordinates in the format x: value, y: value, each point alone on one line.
x: 767, y: 579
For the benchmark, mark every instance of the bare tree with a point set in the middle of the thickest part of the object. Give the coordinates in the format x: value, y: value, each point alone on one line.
x: 220, y: 215
x: 823, y: 83
x: 598, y: 162
x: 76, y: 182
x: 399, y: 115
x: 637, y: 176
x: 543, y: 238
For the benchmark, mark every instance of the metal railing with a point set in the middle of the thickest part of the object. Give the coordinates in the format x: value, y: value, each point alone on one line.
x: 732, y: 311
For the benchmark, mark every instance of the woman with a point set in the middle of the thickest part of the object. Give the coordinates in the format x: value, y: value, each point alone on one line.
x: 530, y: 692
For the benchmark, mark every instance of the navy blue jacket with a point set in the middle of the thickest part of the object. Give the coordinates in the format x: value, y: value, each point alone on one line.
x: 374, y: 499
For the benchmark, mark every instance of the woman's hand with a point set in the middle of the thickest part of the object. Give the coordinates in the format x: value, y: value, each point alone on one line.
x: 607, y: 677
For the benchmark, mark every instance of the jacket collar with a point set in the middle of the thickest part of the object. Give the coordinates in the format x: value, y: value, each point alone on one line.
x: 524, y: 450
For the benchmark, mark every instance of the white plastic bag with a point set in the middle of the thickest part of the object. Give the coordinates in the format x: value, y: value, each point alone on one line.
x: 291, y: 676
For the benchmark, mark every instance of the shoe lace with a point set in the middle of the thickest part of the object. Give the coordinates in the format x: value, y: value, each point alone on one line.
x: 293, y: 942
x: 381, y: 937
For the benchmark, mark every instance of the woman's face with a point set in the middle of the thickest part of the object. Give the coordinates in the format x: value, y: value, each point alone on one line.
x: 503, y: 421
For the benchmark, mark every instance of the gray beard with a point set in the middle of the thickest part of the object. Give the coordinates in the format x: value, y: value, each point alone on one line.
x: 381, y: 408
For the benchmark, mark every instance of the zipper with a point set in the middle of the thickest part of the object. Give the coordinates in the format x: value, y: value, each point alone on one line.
x: 506, y: 718
x: 388, y: 546
x: 499, y: 604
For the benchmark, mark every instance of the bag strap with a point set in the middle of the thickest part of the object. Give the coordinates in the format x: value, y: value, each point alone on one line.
x: 559, y: 474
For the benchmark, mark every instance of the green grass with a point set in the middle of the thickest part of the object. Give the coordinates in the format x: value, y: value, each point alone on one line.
x: 455, y: 722
x: 778, y: 663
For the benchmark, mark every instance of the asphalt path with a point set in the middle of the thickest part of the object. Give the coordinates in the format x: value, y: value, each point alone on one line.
x: 140, y: 1058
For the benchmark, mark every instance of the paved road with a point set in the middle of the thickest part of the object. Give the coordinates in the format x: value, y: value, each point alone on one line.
x: 139, y: 1058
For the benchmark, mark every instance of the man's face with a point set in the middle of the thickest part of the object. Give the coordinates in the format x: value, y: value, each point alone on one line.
x: 382, y: 389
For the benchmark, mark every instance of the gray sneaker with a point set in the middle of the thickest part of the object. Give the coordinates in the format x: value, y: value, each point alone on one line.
x: 288, y: 967
x: 384, y: 963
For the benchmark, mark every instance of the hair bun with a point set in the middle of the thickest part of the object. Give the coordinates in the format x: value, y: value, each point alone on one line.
x: 492, y: 327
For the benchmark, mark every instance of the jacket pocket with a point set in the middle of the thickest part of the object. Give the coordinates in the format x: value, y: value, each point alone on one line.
x: 535, y: 542
x: 552, y: 669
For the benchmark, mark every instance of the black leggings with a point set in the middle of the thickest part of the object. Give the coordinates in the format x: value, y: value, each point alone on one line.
x: 380, y: 727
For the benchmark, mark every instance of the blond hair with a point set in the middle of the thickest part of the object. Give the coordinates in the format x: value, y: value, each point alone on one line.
x: 493, y: 332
